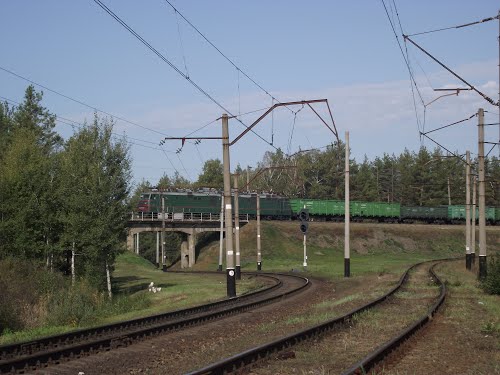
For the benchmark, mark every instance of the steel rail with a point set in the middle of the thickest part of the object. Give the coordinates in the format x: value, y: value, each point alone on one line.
x: 44, y: 343
x: 58, y: 348
x: 375, y: 358
x: 250, y: 357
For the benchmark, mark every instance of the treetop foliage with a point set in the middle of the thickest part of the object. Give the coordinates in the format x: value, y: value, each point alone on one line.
x: 60, y: 196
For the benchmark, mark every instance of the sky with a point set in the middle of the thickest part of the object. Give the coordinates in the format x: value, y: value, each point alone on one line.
x: 342, y: 51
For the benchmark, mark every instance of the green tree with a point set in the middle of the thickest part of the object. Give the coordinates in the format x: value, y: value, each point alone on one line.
x: 363, y: 183
x: 31, y: 115
x: 6, y: 126
x: 212, y: 174
x: 27, y: 202
x: 96, y: 175
x: 165, y: 182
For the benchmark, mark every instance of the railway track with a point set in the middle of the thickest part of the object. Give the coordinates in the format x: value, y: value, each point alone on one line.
x: 37, y: 354
x: 283, y: 348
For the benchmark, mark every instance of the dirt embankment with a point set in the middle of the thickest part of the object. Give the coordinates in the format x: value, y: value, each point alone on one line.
x: 365, y: 238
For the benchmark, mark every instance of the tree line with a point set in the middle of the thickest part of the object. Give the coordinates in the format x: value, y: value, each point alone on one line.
x: 63, y: 202
x: 423, y: 178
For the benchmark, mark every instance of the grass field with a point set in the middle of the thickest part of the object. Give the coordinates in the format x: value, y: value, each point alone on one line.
x: 376, y: 249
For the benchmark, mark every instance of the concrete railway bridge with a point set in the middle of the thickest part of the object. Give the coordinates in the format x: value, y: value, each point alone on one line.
x: 189, y: 224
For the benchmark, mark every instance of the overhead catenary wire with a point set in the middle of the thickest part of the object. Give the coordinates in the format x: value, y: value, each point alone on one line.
x: 405, y: 58
x: 183, y: 167
x: 456, y: 27
x: 170, y: 161
x: 224, y: 56
x: 181, y: 44
x: 175, y: 68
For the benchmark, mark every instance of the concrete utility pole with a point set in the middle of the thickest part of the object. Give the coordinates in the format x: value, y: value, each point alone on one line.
x: 237, y: 227
x: 163, y: 260
x: 305, y: 252
x: 248, y: 176
x: 137, y: 243
x: 473, y: 229
x: 482, y: 218
x: 157, y: 249
x: 259, y: 254
x: 230, y: 273
x: 468, y: 262
x: 449, y: 192
x: 221, y: 239
x: 347, y: 256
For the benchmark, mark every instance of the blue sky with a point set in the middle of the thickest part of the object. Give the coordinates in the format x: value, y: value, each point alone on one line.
x: 344, y: 51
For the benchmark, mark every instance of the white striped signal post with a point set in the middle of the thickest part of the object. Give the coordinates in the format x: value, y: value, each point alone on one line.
x: 347, y: 256
x: 304, y: 225
x: 482, y: 219
x: 259, y: 253
x: 221, y: 239
x: 237, y: 227
x: 468, y: 260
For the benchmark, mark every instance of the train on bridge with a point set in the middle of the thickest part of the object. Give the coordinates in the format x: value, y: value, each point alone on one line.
x: 180, y: 204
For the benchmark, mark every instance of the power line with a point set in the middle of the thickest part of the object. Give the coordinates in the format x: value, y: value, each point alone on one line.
x: 79, y: 101
x: 163, y: 58
x: 456, y: 27
x: 223, y: 55
x: 74, y: 123
x: 170, y: 161
x: 406, y: 60
x: 183, y: 167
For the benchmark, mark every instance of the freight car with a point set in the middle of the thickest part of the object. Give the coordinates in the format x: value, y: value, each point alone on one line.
x: 413, y: 214
x: 335, y: 209
x: 178, y: 204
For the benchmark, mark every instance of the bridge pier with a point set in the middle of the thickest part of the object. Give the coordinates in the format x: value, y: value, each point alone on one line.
x: 188, y: 249
x: 190, y: 228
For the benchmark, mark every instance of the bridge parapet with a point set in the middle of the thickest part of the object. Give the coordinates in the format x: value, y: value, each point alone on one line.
x: 181, y: 217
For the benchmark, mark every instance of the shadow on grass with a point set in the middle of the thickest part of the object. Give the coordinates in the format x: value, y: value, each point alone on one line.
x: 120, y: 284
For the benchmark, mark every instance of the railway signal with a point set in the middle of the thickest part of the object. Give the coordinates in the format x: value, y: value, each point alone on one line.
x: 304, y: 220
x: 304, y: 225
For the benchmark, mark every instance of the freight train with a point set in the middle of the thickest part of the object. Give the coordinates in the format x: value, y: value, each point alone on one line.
x: 178, y: 204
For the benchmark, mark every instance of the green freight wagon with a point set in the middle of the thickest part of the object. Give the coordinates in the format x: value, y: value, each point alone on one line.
x: 319, y: 208
x: 457, y: 213
x: 429, y: 214
x: 497, y: 215
x: 271, y: 206
x: 375, y: 210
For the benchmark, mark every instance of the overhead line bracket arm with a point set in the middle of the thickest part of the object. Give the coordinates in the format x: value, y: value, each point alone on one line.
x: 485, y: 97
x: 274, y: 106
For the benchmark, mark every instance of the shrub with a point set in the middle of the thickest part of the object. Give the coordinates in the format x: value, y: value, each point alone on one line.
x: 491, y: 284
x: 33, y: 297
x: 75, y: 305
x: 23, y: 284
